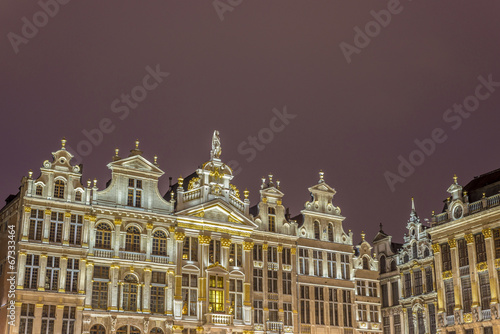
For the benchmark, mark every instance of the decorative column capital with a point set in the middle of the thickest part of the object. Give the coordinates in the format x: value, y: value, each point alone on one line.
x: 436, y: 248
x: 27, y: 209
x: 118, y: 221
x: 149, y: 226
x: 67, y: 215
x: 204, y: 239
x: 248, y: 245
x: 487, y: 233
x: 293, y: 250
x: 452, y: 243
x: 179, y: 236
x: 265, y: 246
x: 469, y: 238
x: 280, y: 248
x: 48, y: 211
x: 225, y: 242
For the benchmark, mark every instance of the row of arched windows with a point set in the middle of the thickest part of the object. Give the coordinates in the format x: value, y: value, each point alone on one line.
x: 59, y: 188
x: 317, y: 231
x: 132, y: 239
x: 99, y: 329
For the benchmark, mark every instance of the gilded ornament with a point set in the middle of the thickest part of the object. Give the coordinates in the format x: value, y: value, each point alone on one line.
x: 204, y: 239
x: 67, y: 214
x: 436, y: 248
x: 225, y: 242
x: 278, y: 202
x: 27, y: 209
x: 149, y: 226
x: 48, y: 211
x: 487, y: 233
x: 118, y: 221
x: 248, y: 245
x: 194, y: 183
x: 93, y: 218
x: 447, y: 274
x: 280, y: 248
x: 452, y: 243
x: 265, y: 246
x: 469, y: 238
x: 293, y: 251
x: 179, y: 236
x: 482, y: 266
x: 467, y: 318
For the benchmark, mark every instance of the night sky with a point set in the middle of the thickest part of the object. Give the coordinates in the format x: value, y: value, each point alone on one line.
x: 353, y: 95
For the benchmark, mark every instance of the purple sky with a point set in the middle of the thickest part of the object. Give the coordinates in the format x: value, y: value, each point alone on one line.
x: 353, y: 120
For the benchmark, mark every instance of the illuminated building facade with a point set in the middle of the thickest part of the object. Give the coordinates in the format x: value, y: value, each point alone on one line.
x: 199, y: 259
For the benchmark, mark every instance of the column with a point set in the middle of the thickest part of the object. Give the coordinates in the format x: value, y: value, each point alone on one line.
x: 490, y: 256
x: 46, y: 225
x: 63, y: 264
x: 65, y: 230
x: 436, y: 248
x: 149, y: 245
x: 21, y: 264
x: 204, y: 242
x: 120, y: 300
x: 412, y: 280
x: 295, y: 298
x: 225, y: 245
x: 179, y: 237
x: 78, y: 320
x: 280, y: 286
x: 424, y: 282
x: 404, y: 321
x: 113, y: 287
x: 471, y: 249
x: 147, y: 290
x: 247, y: 284
x: 59, y: 316
x: 26, y: 223
x: 169, y: 295
x: 139, y: 297
x: 37, y: 322
x: 85, y: 233
x: 88, y: 284
x: 41, y: 274
x: 18, y: 317
x: 82, y: 276
x: 265, y: 289
x: 456, y: 275
x: 117, y: 239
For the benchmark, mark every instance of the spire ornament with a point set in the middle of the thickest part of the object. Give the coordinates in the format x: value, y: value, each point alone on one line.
x: 321, y: 176
x: 216, y: 147
x: 63, y: 143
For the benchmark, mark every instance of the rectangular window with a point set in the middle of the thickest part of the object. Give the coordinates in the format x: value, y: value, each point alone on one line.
x: 463, y: 254
x: 407, y: 277
x: 72, y: 271
x: 333, y: 307
x: 319, y: 306
x: 31, y: 271
x: 446, y: 256
x: 272, y: 223
x: 75, y: 230
x: 385, y: 295
x: 257, y: 252
x: 484, y: 288
x: 27, y: 318
x: 466, y: 294
x: 190, y: 249
x: 272, y: 254
x: 480, y: 248
x: 273, y: 311
x: 305, y: 311
x: 56, y: 226
x: 272, y: 281
x: 303, y: 261
x: 397, y: 324
x: 52, y: 273
x: 257, y: 280
x: 69, y: 319
x: 158, y: 277
x: 318, y: 263
x: 190, y: 294
x: 235, y: 255
x: 287, y: 315
x: 157, y: 299
x: 214, y: 251
x: 417, y: 277
x: 134, y: 193
x: 48, y: 319
x: 386, y: 322
x: 360, y: 288
x: 100, y: 288
x: 347, y: 308
x: 372, y: 289
x: 332, y: 268
x: 36, y: 225
x: 429, y: 281
x: 216, y: 293
x: 258, y: 312
x: 488, y: 330
x: 374, y: 313
x: 362, y: 314
x: 236, y: 297
x: 344, y: 266
x: 496, y: 243
x: 432, y: 317
x: 287, y: 256
x: 395, y: 293
x: 450, y: 296
x: 411, y: 328
x: 287, y: 283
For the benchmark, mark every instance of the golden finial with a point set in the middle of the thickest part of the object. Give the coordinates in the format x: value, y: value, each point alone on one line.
x: 63, y: 142
x: 156, y: 160
x: 30, y: 174
x: 465, y: 193
x: 246, y: 193
x: 484, y: 195
x: 88, y: 183
x: 172, y: 196
x: 137, y: 144
x: 180, y: 180
x: 363, y: 235
x: 95, y: 182
x: 116, y: 152
x: 270, y: 177
x: 433, y: 213
x: 321, y: 176
x: 278, y: 184
x: 455, y: 178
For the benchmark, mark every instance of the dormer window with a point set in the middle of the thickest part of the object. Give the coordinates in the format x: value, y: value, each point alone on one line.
x: 134, y: 193
x: 78, y: 196
x: 316, y: 230
x: 59, y: 189
x: 39, y: 190
x: 272, y: 219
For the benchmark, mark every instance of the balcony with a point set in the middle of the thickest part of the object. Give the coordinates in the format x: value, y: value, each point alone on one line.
x: 486, y: 314
x: 219, y: 319
x: 107, y: 253
x: 132, y: 256
x: 274, y: 326
x: 163, y: 259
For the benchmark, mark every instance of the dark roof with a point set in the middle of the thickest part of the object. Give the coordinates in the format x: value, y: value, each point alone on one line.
x: 10, y: 198
x: 488, y: 183
x: 380, y: 235
x: 174, y: 187
x: 299, y: 219
x: 396, y: 247
x: 254, y: 210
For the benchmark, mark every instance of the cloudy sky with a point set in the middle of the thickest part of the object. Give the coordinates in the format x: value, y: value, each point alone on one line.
x: 292, y: 86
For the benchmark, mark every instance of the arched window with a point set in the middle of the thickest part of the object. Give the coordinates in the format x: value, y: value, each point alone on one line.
x: 128, y: 330
x: 78, y: 196
x: 59, y: 189
x: 406, y: 258
x: 156, y: 330
x: 272, y: 219
x: 414, y: 250
x: 394, y: 266
x: 39, y: 190
x: 159, y: 243
x: 330, y: 232
x: 133, y: 239
x: 103, y: 236
x: 316, y: 230
x: 98, y: 329
x: 382, y: 265
x: 130, y: 293
x: 365, y: 263
x: 426, y: 252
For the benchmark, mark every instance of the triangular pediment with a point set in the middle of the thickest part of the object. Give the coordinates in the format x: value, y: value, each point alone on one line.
x: 322, y: 187
x: 273, y: 192
x: 217, y: 214
x: 136, y: 163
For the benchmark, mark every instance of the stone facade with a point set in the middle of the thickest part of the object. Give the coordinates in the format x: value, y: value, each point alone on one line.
x: 199, y: 259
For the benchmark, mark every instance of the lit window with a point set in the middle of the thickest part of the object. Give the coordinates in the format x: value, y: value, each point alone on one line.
x: 59, y: 189
x: 235, y: 255
x: 236, y: 297
x: 214, y: 251
x: 133, y: 239
x: 48, y: 319
x: 103, y: 236
x: 189, y: 294
x: 160, y: 243
x: 98, y: 329
x: 216, y: 294
x: 130, y: 287
x: 190, y: 249
x: 39, y: 190
x: 272, y: 219
x: 56, y: 226
x: 134, y: 193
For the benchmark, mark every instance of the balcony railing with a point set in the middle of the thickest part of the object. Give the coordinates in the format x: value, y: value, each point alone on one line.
x: 108, y: 253
x: 274, y: 326
x: 126, y: 255
x: 219, y: 319
x: 163, y: 259
x: 486, y: 314
x: 474, y: 207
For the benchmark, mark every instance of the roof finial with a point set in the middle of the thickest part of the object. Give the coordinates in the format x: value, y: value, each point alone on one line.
x: 246, y: 193
x: 216, y: 146
x: 321, y: 175
x: 380, y: 227
x: 30, y: 174
x: 156, y: 160
x: 455, y: 178
x: 116, y: 152
x: 63, y: 143
x: 137, y: 144
x: 412, y: 204
x: 363, y: 235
